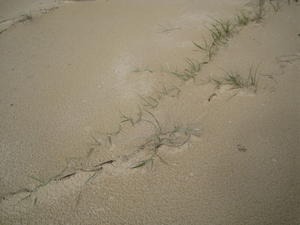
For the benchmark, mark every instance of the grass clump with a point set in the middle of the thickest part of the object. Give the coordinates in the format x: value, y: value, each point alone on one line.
x: 208, y: 47
x: 171, y: 92
x: 221, y: 31
x: 149, y: 102
x: 130, y: 119
x: 242, y: 19
x: 152, y: 102
x: 176, y: 137
x: 259, y: 12
x: 219, y: 34
x: 193, y: 68
x: 236, y: 81
x: 26, y: 17
x: 275, y: 5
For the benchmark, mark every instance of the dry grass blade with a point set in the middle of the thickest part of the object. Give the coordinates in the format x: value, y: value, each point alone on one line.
x: 127, y: 119
x: 93, y: 176
x: 65, y: 176
x: 97, y: 143
x: 142, y: 163
x: 36, y: 179
x: 156, y: 121
x: 149, y: 102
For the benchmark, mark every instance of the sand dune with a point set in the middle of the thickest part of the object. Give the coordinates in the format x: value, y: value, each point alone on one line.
x: 111, y: 115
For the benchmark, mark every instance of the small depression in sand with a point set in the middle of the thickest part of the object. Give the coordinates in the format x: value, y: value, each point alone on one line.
x: 67, y: 77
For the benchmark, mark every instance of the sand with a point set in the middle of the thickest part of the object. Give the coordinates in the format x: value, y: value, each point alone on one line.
x: 67, y: 76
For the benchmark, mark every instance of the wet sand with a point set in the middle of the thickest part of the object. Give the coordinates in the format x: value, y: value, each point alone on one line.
x: 68, y: 76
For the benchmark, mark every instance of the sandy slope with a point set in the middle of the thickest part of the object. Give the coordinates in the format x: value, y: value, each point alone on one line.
x: 207, y: 181
x: 67, y: 75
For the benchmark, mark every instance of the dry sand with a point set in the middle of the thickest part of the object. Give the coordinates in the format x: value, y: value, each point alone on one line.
x: 67, y: 75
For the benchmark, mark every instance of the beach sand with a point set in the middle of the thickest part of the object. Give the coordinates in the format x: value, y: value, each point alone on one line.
x: 92, y: 82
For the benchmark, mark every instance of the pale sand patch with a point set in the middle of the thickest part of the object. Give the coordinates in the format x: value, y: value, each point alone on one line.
x: 243, y: 169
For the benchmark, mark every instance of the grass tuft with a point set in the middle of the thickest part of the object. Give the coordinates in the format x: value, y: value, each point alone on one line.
x: 275, y: 5
x: 171, y: 92
x: 208, y: 47
x: 259, y: 13
x: 149, y: 102
x: 220, y: 32
x: 236, y: 81
x: 242, y: 19
x: 130, y: 119
x: 25, y: 18
x: 176, y: 137
x: 193, y: 68
x: 223, y: 28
